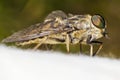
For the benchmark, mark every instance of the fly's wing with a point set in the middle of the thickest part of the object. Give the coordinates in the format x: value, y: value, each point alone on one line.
x: 55, y: 14
x: 25, y: 34
x: 52, y: 24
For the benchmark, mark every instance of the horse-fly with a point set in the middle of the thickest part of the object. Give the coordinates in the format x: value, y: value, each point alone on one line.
x: 59, y: 28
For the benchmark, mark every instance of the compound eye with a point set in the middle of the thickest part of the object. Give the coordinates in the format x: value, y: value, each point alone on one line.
x: 98, y: 21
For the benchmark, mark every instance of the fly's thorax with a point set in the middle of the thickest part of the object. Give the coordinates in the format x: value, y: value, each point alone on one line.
x: 82, y: 26
x: 80, y: 21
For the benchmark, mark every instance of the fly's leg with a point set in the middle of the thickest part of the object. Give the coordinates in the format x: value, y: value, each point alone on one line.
x: 91, y: 45
x: 36, y: 47
x: 100, y: 47
x: 67, y: 42
x: 90, y: 42
x: 91, y: 50
x: 40, y: 43
x: 80, y: 48
x: 48, y: 46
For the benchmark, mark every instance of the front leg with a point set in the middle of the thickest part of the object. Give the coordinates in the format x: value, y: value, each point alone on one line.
x: 100, y: 47
x: 90, y: 41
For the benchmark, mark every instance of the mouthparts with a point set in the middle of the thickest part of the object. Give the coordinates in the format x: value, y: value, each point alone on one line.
x: 105, y: 34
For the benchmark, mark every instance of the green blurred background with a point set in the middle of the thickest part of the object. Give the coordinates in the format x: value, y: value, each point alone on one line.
x: 18, y: 14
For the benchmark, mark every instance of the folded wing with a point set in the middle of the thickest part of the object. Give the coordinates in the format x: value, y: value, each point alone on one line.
x: 54, y: 23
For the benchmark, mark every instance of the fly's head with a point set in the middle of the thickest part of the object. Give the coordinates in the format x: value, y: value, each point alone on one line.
x: 99, y: 24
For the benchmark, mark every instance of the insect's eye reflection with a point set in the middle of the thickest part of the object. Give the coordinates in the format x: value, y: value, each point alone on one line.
x: 98, y: 21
